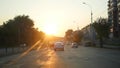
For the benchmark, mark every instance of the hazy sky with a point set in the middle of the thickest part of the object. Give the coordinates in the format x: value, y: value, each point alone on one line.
x: 64, y: 14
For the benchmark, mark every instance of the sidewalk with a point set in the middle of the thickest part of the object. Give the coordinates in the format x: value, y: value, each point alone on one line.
x: 111, y: 46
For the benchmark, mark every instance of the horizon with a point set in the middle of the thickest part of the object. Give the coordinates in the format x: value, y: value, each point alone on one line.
x: 61, y: 15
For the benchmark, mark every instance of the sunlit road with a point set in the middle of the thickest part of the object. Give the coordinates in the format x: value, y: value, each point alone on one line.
x: 82, y: 57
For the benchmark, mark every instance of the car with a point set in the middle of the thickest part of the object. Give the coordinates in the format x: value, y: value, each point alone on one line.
x: 58, y: 46
x: 74, y: 45
x: 89, y: 43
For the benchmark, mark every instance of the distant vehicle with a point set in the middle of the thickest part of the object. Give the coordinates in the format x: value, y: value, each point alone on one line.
x: 89, y: 43
x: 74, y: 45
x: 58, y: 46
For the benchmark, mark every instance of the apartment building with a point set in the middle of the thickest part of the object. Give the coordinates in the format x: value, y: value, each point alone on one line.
x: 118, y: 5
x: 113, y: 16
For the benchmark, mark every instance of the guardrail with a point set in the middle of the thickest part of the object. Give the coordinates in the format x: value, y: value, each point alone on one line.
x: 11, y: 51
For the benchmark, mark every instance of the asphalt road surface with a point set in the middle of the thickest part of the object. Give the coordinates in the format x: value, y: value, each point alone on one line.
x: 81, y: 57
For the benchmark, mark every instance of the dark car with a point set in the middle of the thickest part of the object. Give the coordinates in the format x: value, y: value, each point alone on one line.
x: 89, y: 43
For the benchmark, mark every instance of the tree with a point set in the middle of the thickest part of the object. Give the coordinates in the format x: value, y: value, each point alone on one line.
x: 77, y: 36
x: 18, y: 31
x: 68, y: 35
x: 102, y: 27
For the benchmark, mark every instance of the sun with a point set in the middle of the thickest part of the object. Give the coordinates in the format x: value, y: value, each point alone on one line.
x: 50, y: 29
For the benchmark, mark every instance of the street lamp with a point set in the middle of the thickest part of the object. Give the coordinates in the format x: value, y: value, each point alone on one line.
x: 91, y: 11
x: 91, y: 28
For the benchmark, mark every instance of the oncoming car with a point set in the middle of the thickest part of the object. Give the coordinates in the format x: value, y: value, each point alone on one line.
x: 58, y: 46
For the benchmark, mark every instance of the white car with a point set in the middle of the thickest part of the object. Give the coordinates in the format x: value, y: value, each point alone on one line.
x: 58, y: 46
x: 74, y: 45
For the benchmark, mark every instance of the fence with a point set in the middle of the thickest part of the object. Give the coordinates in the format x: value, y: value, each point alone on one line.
x: 11, y: 51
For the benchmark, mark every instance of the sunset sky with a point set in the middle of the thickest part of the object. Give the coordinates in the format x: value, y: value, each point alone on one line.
x: 54, y: 16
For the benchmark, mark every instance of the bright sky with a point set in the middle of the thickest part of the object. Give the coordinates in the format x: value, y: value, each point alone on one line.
x: 60, y: 14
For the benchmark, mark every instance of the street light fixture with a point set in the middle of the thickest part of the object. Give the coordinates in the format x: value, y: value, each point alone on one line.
x: 91, y: 28
x: 91, y: 11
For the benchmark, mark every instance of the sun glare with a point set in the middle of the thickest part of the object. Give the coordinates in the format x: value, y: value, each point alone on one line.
x: 50, y: 24
x: 50, y: 29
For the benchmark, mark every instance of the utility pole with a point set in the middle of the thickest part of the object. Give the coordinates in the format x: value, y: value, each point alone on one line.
x: 91, y: 27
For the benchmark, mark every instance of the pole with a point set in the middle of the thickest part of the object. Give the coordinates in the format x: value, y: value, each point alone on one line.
x: 91, y: 28
x: 91, y: 11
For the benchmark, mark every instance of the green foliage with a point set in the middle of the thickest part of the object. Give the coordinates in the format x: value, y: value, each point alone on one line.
x: 77, y: 36
x: 68, y: 35
x: 18, y: 31
x: 73, y: 36
x: 102, y: 27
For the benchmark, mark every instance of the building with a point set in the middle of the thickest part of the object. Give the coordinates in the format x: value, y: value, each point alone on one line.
x: 89, y: 33
x: 114, y: 16
x: 86, y: 32
x: 118, y: 5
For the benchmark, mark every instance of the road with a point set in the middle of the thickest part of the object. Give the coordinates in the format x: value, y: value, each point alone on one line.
x: 81, y: 57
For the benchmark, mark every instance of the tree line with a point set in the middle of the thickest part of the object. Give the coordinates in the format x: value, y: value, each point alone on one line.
x: 19, y: 30
x: 102, y: 29
x: 73, y: 36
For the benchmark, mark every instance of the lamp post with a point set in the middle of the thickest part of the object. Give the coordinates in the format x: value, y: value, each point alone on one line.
x: 91, y: 28
x: 91, y: 11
